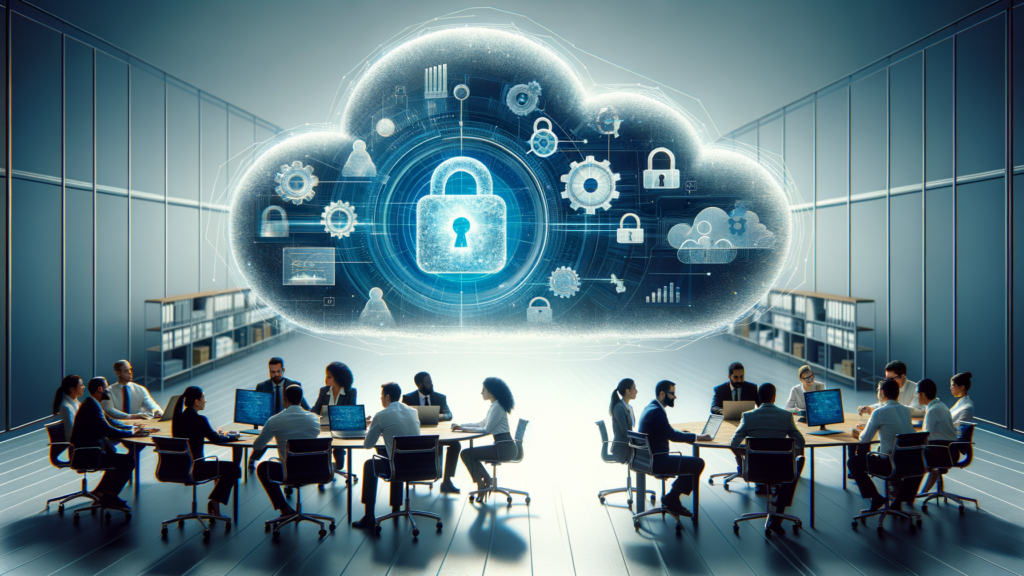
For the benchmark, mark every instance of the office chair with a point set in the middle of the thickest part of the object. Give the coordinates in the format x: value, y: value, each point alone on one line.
x: 943, y: 459
x: 59, y: 445
x: 413, y: 459
x: 906, y: 461
x: 605, y: 445
x: 508, y: 492
x: 308, y: 462
x: 641, y: 461
x: 772, y: 462
x: 175, y: 465
x: 87, y: 460
x: 728, y: 476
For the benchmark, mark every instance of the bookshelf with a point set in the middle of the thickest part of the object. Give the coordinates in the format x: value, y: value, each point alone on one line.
x: 193, y: 331
x: 834, y: 334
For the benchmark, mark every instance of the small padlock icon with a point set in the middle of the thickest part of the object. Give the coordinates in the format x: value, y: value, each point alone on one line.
x: 273, y: 228
x: 630, y: 235
x: 661, y: 179
x: 539, y: 314
x: 543, y: 143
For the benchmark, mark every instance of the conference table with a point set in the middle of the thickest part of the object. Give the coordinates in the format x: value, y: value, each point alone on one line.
x: 725, y: 433
x: 240, y: 448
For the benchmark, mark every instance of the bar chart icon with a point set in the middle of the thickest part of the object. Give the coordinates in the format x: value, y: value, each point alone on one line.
x: 435, y: 82
x: 665, y: 295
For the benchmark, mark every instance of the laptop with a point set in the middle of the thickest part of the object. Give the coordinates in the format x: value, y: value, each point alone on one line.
x: 429, y: 415
x: 732, y: 410
x: 169, y: 409
x: 347, y: 421
x: 713, y: 424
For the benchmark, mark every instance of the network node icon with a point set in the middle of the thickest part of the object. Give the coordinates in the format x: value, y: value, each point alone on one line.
x: 522, y: 99
x: 564, y: 282
x: 295, y: 183
x: 385, y: 127
x: 590, y: 185
x: 339, y: 219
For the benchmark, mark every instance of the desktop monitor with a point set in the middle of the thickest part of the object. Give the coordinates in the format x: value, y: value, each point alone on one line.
x: 253, y: 407
x: 824, y: 407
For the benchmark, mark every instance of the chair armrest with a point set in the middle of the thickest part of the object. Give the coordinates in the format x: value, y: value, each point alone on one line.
x: 69, y: 443
x: 669, y: 453
x: 273, y: 459
x: 214, y: 458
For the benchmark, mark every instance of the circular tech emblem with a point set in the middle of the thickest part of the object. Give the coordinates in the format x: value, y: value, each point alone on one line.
x: 590, y: 185
x: 295, y: 183
x: 522, y: 98
x: 564, y: 282
x: 339, y: 219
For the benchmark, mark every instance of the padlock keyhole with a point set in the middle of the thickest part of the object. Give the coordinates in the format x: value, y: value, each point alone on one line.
x: 461, y: 227
x: 661, y: 180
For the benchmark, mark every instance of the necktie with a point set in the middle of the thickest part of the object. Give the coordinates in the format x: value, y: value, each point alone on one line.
x: 125, y: 395
x: 427, y: 400
x: 277, y: 399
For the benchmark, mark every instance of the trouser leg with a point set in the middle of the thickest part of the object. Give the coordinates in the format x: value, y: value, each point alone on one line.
x: 451, y: 458
x: 785, y: 494
x: 907, y: 489
x: 273, y: 490
x: 687, y: 468
x: 339, y: 458
x: 121, y: 467
x: 228, y: 473
x: 858, y: 468
x: 369, y: 487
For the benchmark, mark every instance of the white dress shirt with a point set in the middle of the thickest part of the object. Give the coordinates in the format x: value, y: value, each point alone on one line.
x: 68, y: 409
x: 938, y: 423
x: 139, y: 401
x: 395, y: 420
x: 496, y: 421
x: 332, y: 398
x: 890, y: 419
x: 796, y: 396
x: 908, y: 398
x: 292, y: 423
x: 963, y: 410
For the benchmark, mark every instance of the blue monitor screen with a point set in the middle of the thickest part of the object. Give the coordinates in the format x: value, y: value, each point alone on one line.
x: 347, y: 418
x: 824, y: 407
x: 252, y: 407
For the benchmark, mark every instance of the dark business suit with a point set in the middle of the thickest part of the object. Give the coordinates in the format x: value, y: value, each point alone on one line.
x: 621, y: 423
x: 723, y: 392
x: 451, y: 458
x: 654, y: 423
x: 770, y: 421
x: 196, y: 429
x: 268, y: 386
x: 92, y: 429
x: 324, y: 399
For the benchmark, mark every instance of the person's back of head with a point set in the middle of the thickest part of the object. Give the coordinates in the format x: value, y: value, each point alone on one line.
x: 766, y: 393
x: 95, y: 384
x: 890, y: 389
x: 620, y: 391
x: 293, y: 394
x: 67, y: 384
x: 393, y: 391
x: 928, y: 388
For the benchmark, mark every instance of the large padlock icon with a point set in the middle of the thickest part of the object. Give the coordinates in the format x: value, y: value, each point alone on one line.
x: 630, y: 235
x: 543, y: 142
x: 661, y: 179
x: 273, y: 228
x: 539, y: 314
x: 460, y: 234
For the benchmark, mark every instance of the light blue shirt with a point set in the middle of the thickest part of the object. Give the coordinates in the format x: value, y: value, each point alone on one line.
x: 395, y: 420
x: 890, y: 419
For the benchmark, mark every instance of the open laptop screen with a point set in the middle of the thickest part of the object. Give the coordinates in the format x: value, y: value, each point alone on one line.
x: 347, y: 418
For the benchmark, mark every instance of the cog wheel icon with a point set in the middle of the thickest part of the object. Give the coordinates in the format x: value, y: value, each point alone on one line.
x: 295, y: 183
x: 738, y: 226
x: 590, y: 185
x: 522, y: 98
x: 564, y: 282
x: 339, y: 219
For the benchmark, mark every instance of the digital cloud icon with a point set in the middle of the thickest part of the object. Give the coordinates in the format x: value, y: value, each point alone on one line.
x: 716, y: 236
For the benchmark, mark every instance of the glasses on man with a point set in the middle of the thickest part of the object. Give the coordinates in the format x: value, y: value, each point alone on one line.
x: 808, y: 378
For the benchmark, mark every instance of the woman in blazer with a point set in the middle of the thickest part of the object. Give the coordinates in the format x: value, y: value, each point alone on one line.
x: 189, y: 424
x: 65, y: 402
x: 807, y: 384
x: 337, y: 389
x: 496, y: 424
x: 623, y: 418
x: 963, y: 410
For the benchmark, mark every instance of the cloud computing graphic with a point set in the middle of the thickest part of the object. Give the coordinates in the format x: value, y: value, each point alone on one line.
x: 475, y: 179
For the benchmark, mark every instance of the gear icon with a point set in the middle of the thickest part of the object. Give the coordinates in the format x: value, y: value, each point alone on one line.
x: 522, y: 98
x: 590, y: 185
x: 330, y: 220
x: 738, y: 226
x: 295, y: 183
x: 564, y: 282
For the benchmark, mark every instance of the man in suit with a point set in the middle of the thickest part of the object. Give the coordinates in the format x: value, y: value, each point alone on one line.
x: 887, y: 421
x: 292, y: 423
x: 396, y: 419
x: 736, y: 389
x: 128, y: 400
x: 278, y: 384
x: 425, y: 395
x: 654, y: 423
x: 92, y: 429
x: 770, y: 421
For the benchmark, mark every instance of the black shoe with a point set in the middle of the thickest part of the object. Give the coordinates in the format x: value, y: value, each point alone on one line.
x: 776, y: 526
x: 877, y: 503
x: 366, y: 522
x: 447, y: 487
x: 761, y: 489
x: 671, y: 503
x: 111, y: 501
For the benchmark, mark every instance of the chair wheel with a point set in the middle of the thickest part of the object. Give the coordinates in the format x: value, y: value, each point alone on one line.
x: 854, y: 524
x: 60, y: 509
x: 107, y: 517
x: 266, y: 527
x: 880, y: 531
x: 679, y: 528
x: 439, y: 525
x: 919, y: 522
x: 128, y: 516
x: 711, y: 481
x: 726, y: 486
x: 768, y: 533
x: 961, y: 508
x: 736, y: 528
x: 415, y: 532
x: 652, y: 498
x: 924, y: 508
x: 913, y: 528
x: 796, y: 528
x: 323, y: 532
x: 320, y: 487
x: 527, y: 500
x: 628, y: 502
x: 181, y: 523
x: 471, y: 498
x: 275, y: 535
x: 287, y: 491
x: 74, y: 519
x: 332, y: 526
x: 227, y: 525
x: 601, y: 500
x: 509, y: 499
x: 206, y: 534
x: 212, y: 521
x: 636, y: 525
x: 163, y: 531
x: 377, y: 528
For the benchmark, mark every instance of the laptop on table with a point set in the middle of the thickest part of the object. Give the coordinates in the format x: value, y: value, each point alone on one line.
x: 732, y: 410
x: 169, y: 409
x: 713, y: 424
x: 429, y: 415
x: 347, y: 421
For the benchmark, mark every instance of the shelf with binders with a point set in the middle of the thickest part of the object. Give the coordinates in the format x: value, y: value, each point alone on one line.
x: 833, y: 334
x: 195, y: 331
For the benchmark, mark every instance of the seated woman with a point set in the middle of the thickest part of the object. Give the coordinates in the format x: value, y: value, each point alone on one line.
x: 189, y: 424
x: 337, y: 391
x: 807, y: 384
x: 496, y: 424
x: 623, y: 418
x: 65, y: 401
x: 962, y: 410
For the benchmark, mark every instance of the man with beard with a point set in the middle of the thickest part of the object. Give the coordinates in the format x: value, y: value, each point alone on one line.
x: 654, y: 423
x: 424, y: 395
x: 278, y: 384
x: 92, y: 429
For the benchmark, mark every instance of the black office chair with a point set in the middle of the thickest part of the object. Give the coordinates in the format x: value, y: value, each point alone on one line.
x: 308, y: 462
x: 413, y: 459
x: 59, y: 445
x: 87, y: 460
x: 607, y: 457
x: 175, y: 465
x: 772, y: 462
x: 943, y: 458
x: 641, y: 461
x: 906, y: 461
x: 508, y: 492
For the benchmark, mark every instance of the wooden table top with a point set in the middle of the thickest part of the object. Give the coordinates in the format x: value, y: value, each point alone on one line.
x: 443, y: 430
x: 728, y: 428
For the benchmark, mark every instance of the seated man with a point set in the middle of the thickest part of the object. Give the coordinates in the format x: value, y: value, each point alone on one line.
x: 897, y: 371
x: 654, y: 423
x: 294, y: 422
x: 92, y: 429
x: 887, y: 421
x: 938, y: 423
x: 128, y: 400
x: 770, y: 421
x: 278, y: 384
x: 424, y: 395
x: 736, y: 389
x: 396, y: 419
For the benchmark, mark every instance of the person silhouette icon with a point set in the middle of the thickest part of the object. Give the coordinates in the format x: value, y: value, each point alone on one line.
x: 376, y: 314
x: 359, y: 164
